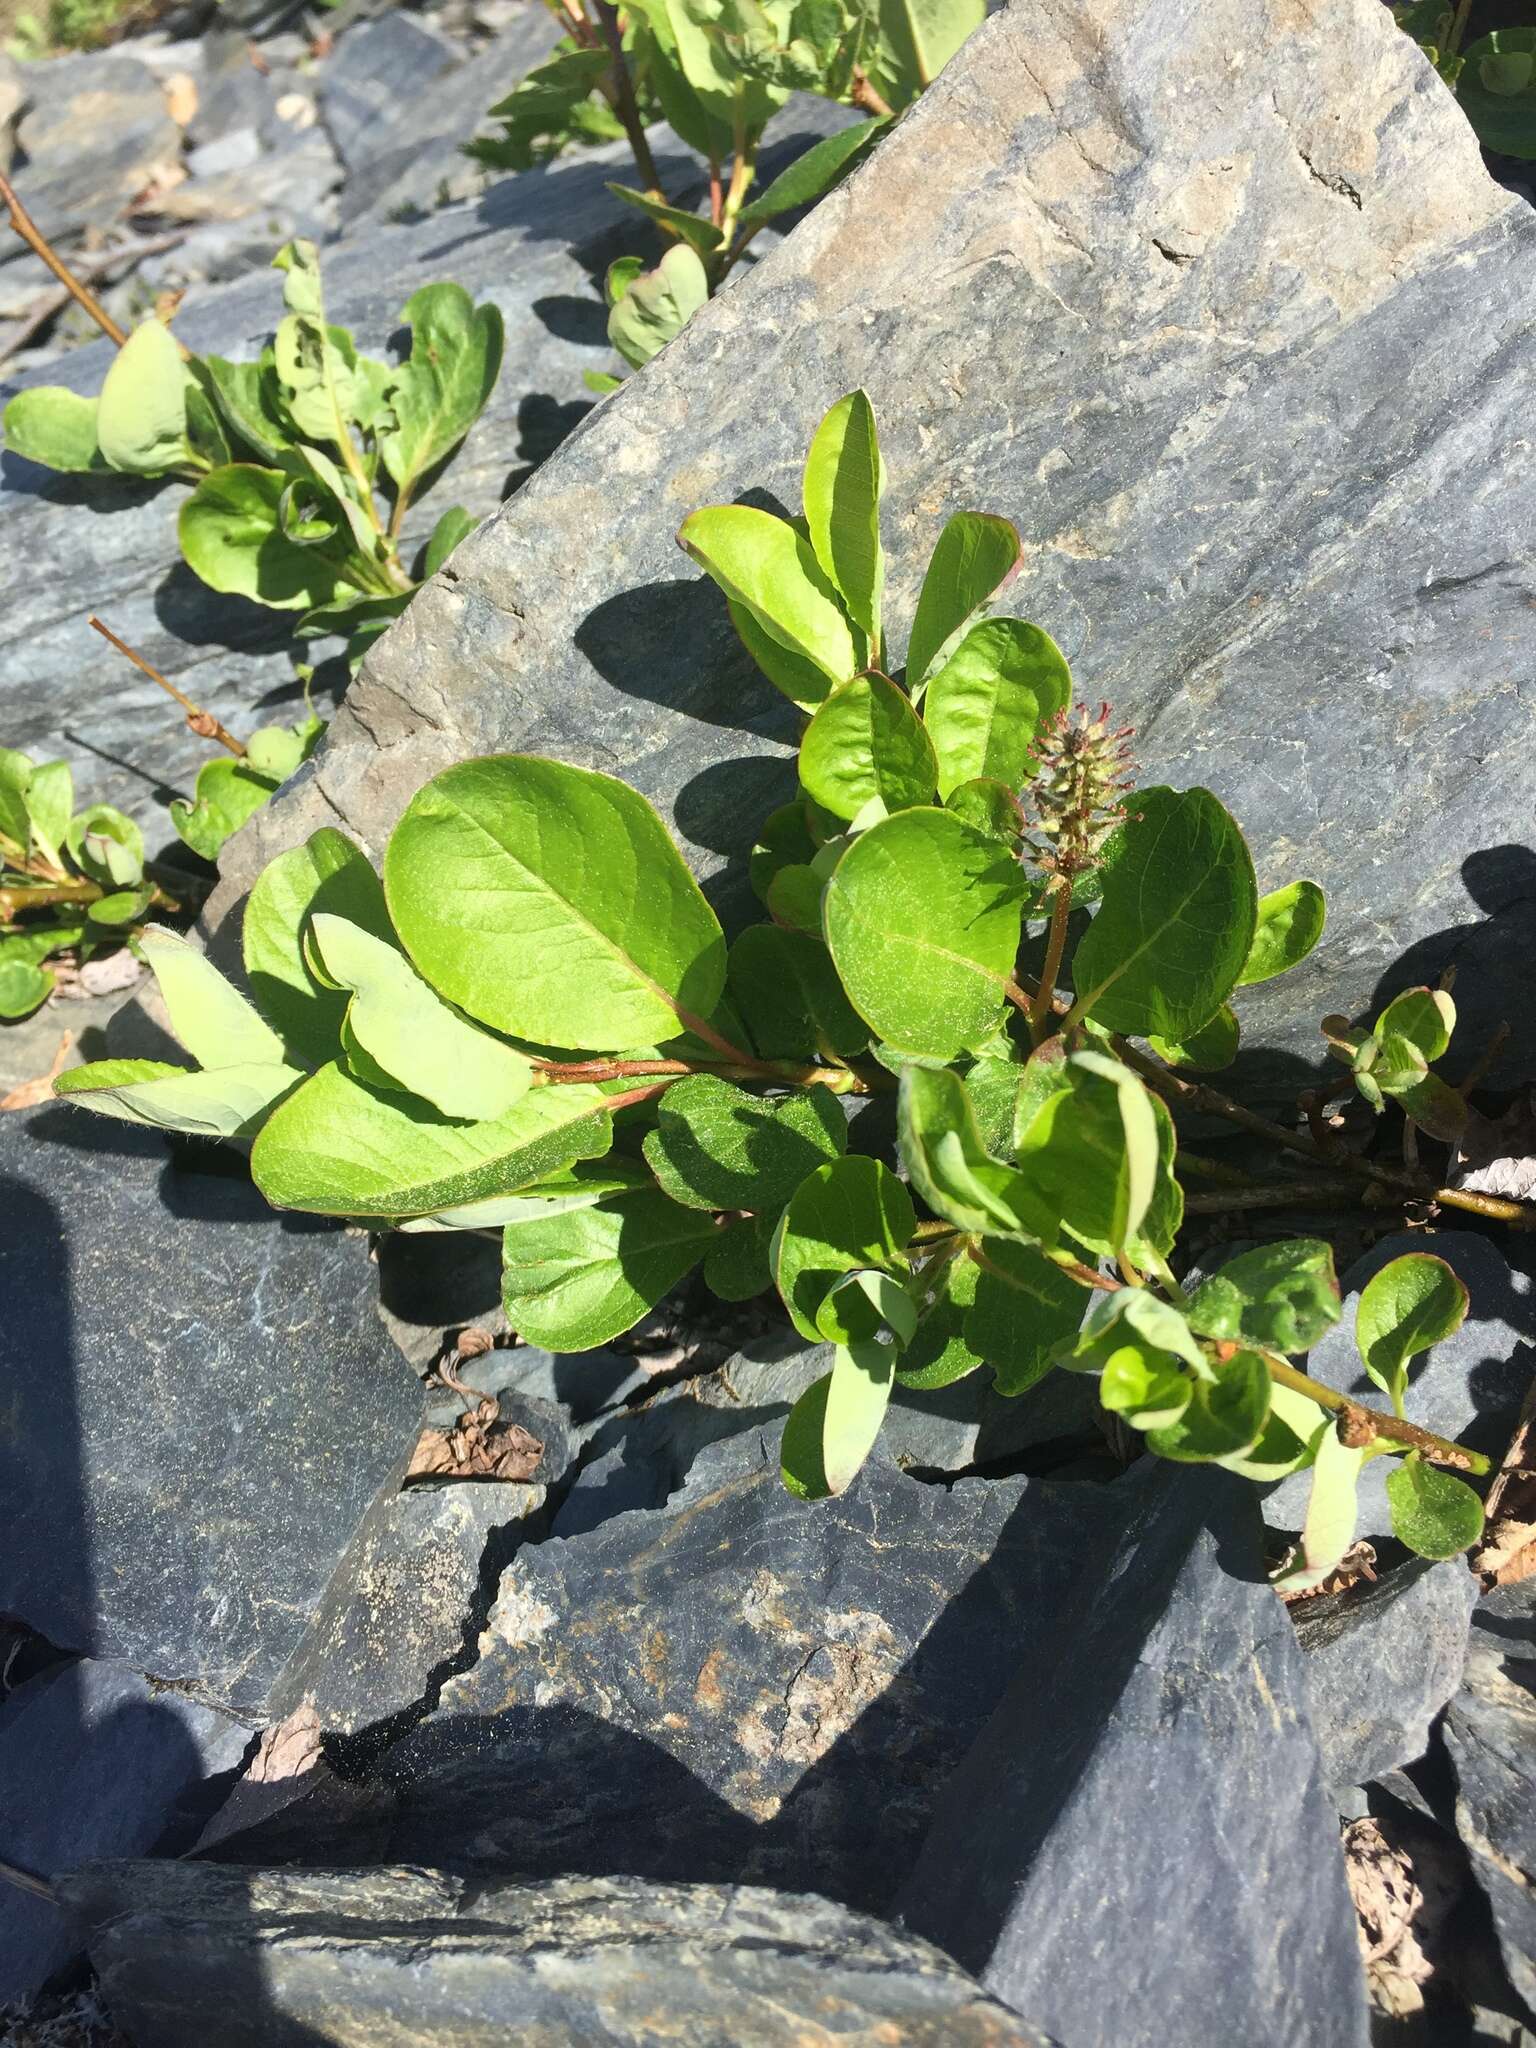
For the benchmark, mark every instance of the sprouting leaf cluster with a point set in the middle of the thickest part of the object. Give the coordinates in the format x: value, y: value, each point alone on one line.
x: 716, y: 71
x: 304, y: 463
x: 1493, y: 78
x: 70, y: 881
x: 534, y: 1021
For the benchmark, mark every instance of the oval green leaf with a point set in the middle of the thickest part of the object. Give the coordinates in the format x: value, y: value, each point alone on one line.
x: 866, y: 742
x: 985, y: 705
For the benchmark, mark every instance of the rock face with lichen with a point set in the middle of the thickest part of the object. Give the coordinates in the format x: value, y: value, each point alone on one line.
x: 1222, y: 310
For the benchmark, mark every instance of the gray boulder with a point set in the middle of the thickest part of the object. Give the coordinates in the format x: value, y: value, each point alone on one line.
x: 1139, y: 286
x: 1381, y: 1661
x: 268, y: 1957
x: 201, y: 1406
x: 377, y: 67
x: 739, y: 1686
x: 96, y: 132
x: 95, y: 1760
x: 1490, y: 1734
x: 1152, y: 1758
x: 1469, y: 1388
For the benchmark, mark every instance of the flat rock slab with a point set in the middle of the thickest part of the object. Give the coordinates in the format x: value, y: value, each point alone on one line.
x: 201, y: 1406
x: 1198, y: 302
x: 1154, y: 1748
x: 402, y: 1603
x: 1490, y: 1732
x: 1381, y: 1661
x: 1468, y: 1388
x: 377, y: 68
x: 739, y: 1686
x: 95, y: 1760
x: 96, y: 132
x: 257, y: 1958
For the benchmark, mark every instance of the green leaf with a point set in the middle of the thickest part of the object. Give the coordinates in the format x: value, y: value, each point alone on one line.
x: 441, y: 390
x: 851, y: 1213
x: 339, y: 1148
x: 619, y: 276
x: 141, y: 416
x: 767, y: 570
x: 784, y: 840
x: 1284, y: 1296
x: 54, y: 427
x: 16, y: 827
x: 717, y: 1147
x: 950, y: 1168
x: 866, y: 742
x: 938, y: 1354
x: 1025, y: 1308
x: 1207, y: 1049
x: 601, y: 383
x: 227, y: 792
x: 231, y: 537
x: 1412, y: 1303
x: 23, y: 985
x: 658, y: 306
x: 1090, y: 1153
x: 988, y: 807
x: 580, y: 1277
x: 736, y: 1265
x: 1424, y: 1017
x: 1224, y: 1416
x: 1290, y: 923
x: 844, y: 479
x: 858, y: 1393
x: 1287, y: 1443
x: 50, y: 797
x: 794, y: 899
x: 412, y: 1034
x: 784, y: 983
x: 802, y: 682
x: 1433, y: 1512
x: 274, y: 751
x: 975, y: 552
x: 212, y: 1019
x: 1159, y: 1228
x: 123, y: 906
x: 550, y: 903
x: 106, y: 846
x: 812, y: 174
x: 923, y: 918
x: 1131, y: 1314
x: 800, y: 1454
x: 1148, y: 1387
x: 1177, y: 919
x: 1329, y: 1528
x: 917, y: 39
x: 248, y: 399
x: 327, y: 873
x: 867, y: 1307
x: 454, y: 526
x: 222, y: 1102
x: 1497, y: 91
x: 701, y: 235
x: 987, y: 702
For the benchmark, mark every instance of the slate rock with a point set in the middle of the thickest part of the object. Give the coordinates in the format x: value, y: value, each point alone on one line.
x: 232, y: 93
x: 375, y: 69
x: 739, y: 1686
x: 95, y: 132
x: 1137, y: 284
x: 1381, y: 1661
x: 201, y: 1406
x: 1152, y: 1756
x: 270, y: 1956
x: 1490, y: 1734
x: 532, y: 245
x: 415, y: 160
x: 639, y: 1457
x: 402, y: 1602
x: 95, y: 1760
x: 1469, y: 1388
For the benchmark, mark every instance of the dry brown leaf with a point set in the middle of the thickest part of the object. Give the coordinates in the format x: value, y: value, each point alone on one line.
x: 105, y: 973
x: 1497, y: 1155
x: 1387, y: 1900
x: 1357, y: 1563
x: 1507, y: 1552
x: 28, y: 1094
x: 288, y: 1748
x: 478, y: 1446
